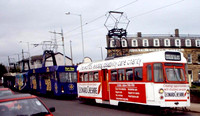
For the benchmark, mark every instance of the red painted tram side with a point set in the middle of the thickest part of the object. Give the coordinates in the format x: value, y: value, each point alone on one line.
x: 141, y: 79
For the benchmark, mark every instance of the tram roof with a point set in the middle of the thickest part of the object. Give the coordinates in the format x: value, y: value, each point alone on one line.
x: 54, y: 68
x: 129, y: 61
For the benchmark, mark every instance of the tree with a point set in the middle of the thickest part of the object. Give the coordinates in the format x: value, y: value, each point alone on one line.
x: 2, y: 70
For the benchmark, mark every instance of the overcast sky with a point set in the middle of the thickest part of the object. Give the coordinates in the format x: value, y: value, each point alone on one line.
x: 31, y: 20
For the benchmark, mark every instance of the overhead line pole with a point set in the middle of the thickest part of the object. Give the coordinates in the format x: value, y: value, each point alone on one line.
x: 63, y: 44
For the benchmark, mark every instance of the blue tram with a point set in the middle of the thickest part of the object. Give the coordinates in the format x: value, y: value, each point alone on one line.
x: 56, y: 80
x: 22, y: 79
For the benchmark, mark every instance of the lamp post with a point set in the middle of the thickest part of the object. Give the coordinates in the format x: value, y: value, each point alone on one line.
x: 68, y: 13
x: 63, y: 44
x: 101, y: 53
x: 71, y: 51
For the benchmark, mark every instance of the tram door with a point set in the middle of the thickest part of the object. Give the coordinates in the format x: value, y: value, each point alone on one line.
x: 105, y: 89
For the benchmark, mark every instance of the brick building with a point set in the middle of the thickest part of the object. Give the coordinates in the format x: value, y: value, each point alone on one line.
x: 188, y: 44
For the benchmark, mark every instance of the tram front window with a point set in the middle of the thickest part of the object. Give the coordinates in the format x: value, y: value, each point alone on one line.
x: 68, y: 77
x: 175, y: 74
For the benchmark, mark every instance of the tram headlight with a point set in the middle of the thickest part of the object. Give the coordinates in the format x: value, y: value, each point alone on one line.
x: 62, y: 90
x: 161, y: 91
x: 188, y: 91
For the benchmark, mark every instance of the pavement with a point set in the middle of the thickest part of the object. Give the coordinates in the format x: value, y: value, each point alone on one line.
x: 194, y: 107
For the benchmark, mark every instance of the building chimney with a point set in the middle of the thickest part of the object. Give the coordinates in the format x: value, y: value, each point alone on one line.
x: 139, y: 34
x: 176, y: 33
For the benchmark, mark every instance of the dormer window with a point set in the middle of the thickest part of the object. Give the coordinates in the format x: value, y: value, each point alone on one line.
x: 134, y: 43
x: 124, y: 43
x: 188, y: 43
x: 156, y: 42
x: 177, y: 42
x: 112, y: 43
x: 167, y: 42
x: 145, y: 43
x: 198, y: 43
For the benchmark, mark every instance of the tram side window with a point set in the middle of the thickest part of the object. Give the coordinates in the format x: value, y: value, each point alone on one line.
x: 138, y: 74
x: 113, y: 75
x: 129, y: 74
x: 186, y: 71
x: 74, y: 77
x: 81, y: 77
x: 121, y: 75
x: 149, y: 73
x: 85, y: 76
x: 64, y: 77
x: 158, y: 72
x: 96, y: 76
x: 90, y: 76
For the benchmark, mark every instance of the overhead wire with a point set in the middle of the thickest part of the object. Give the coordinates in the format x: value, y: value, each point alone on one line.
x: 101, y: 16
x: 144, y: 13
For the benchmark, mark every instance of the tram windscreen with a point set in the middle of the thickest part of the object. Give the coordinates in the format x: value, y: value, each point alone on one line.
x: 175, y: 74
x: 68, y: 77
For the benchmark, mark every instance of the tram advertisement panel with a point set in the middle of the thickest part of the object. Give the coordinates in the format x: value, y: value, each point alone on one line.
x: 178, y: 91
x: 128, y: 92
x: 89, y: 90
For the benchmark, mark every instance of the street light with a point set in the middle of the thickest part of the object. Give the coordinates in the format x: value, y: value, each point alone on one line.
x: 101, y: 53
x: 71, y: 51
x: 68, y: 13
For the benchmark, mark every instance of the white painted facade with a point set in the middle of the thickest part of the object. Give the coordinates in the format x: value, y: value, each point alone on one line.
x: 37, y: 62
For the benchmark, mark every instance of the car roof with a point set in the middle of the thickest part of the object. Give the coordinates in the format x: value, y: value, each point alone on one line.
x: 16, y: 97
x: 3, y: 89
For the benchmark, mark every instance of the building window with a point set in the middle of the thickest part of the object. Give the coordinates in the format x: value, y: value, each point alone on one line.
x: 198, y: 43
x: 124, y: 43
x: 112, y: 43
x: 198, y: 58
x: 167, y: 42
x: 134, y: 43
x: 177, y: 42
x: 189, y: 59
x: 199, y: 76
x: 156, y: 42
x: 190, y: 75
x: 188, y: 43
x: 145, y: 43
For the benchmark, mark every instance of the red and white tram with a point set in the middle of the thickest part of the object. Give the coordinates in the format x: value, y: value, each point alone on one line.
x: 154, y: 79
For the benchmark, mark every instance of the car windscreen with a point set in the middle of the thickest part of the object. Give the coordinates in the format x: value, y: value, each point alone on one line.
x: 24, y: 107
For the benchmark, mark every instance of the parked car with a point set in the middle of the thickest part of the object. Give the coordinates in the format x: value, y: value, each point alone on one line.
x: 5, y: 92
x: 23, y: 105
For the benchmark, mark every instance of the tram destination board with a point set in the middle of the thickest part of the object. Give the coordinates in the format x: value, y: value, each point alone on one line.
x: 173, y: 56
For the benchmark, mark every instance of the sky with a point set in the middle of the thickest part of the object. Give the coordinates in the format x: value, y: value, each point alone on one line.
x: 24, y: 23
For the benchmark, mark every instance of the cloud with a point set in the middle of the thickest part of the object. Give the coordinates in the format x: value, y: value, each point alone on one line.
x: 30, y: 21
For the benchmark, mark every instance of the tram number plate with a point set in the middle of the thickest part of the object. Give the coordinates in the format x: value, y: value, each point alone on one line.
x: 178, y: 94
